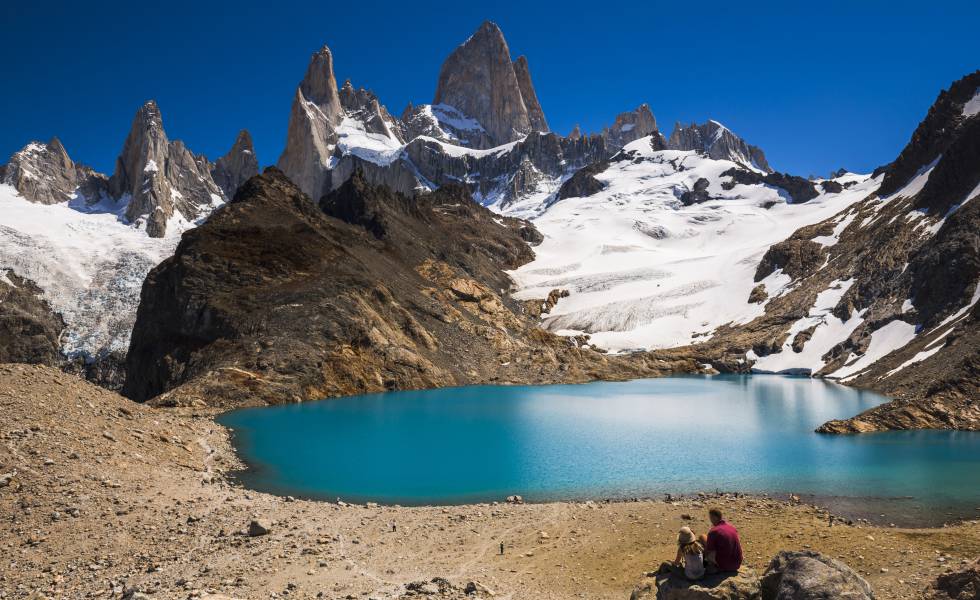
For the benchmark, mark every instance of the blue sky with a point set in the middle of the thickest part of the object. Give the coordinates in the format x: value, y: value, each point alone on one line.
x: 816, y: 85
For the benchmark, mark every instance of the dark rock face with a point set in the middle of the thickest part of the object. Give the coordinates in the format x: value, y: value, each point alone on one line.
x: 933, y: 136
x: 583, y: 183
x: 956, y: 175
x: 716, y: 141
x: 238, y: 166
x: 30, y: 330
x: 505, y: 175
x: 480, y: 81
x: 811, y: 576
x: 961, y: 584
x: 697, y: 194
x: 831, y: 187
x: 273, y: 300
x: 945, y: 271
x: 796, y: 257
x: 45, y: 174
x: 160, y: 177
x: 799, y: 189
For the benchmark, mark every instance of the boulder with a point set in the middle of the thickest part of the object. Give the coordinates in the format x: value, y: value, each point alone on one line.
x: 809, y: 575
x: 259, y: 527
x: 963, y: 584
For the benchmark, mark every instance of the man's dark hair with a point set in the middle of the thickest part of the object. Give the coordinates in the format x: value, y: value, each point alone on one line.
x: 715, y: 512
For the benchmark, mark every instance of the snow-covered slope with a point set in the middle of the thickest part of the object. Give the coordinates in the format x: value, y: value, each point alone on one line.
x: 88, y: 261
x: 644, y: 270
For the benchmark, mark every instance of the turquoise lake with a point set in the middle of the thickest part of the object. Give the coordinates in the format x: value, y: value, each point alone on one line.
x: 643, y: 438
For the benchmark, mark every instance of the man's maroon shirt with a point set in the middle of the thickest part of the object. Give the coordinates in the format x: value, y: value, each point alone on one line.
x: 723, y: 540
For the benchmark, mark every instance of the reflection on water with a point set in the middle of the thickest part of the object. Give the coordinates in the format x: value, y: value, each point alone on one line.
x: 638, y: 438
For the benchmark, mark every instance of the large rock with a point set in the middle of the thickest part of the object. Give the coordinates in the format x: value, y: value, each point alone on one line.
x: 743, y: 586
x: 962, y: 584
x: 45, y: 174
x: 161, y: 179
x: 479, y: 80
x: 809, y: 575
x: 310, y: 138
x: 716, y: 141
x: 237, y: 166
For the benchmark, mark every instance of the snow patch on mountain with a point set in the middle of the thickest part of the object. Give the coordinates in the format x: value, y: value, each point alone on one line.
x: 89, y: 262
x: 972, y: 107
x: 644, y: 270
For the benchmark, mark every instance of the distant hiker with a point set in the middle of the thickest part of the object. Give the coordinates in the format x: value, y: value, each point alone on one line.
x: 501, y: 548
x: 722, y: 546
x: 690, y: 554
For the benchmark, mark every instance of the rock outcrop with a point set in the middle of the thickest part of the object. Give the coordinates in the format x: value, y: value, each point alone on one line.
x: 583, y: 183
x: 804, y: 575
x: 633, y: 125
x: 716, y: 141
x: 45, y: 174
x: 959, y: 584
x: 376, y: 291
x: 479, y: 80
x: 311, y: 136
x: 797, y: 188
x: 809, y: 575
x: 237, y: 166
x: 30, y: 330
x: 934, y: 135
x: 662, y: 586
x: 160, y: 178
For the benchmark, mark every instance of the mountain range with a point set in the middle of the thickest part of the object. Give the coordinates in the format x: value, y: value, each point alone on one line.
x: 465, y: 242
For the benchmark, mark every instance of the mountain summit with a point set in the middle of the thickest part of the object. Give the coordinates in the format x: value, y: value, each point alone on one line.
x: 479, y: 80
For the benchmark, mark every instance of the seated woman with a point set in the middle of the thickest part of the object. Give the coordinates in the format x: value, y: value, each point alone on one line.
x: 689, y: 561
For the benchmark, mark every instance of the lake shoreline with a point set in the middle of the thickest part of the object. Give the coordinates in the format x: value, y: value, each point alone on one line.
x: 109, y: 496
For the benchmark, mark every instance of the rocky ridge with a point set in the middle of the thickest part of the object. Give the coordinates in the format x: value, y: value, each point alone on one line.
x: 374, y: 291
x: 718, y: 142
x: 161, y: 179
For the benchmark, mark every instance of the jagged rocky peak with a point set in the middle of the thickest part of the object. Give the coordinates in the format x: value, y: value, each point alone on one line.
x: 159, y: 178
x: 576, y: 132
x: 718, y: 142
x: 534, y: 112
x: 44, y: 173
x: 363, y: 105
x: 479, y: 81
x: 311, y: 136
x: 237, y: 166
x: 319, y: 86
x: 633, y: 125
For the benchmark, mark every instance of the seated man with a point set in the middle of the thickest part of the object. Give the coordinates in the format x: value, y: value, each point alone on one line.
x: 722, y: 546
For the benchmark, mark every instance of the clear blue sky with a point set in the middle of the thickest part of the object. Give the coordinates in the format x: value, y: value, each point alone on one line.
x: 816, y: 85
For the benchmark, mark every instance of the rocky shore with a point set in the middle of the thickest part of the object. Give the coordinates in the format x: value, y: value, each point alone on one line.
x: 103, y: 497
